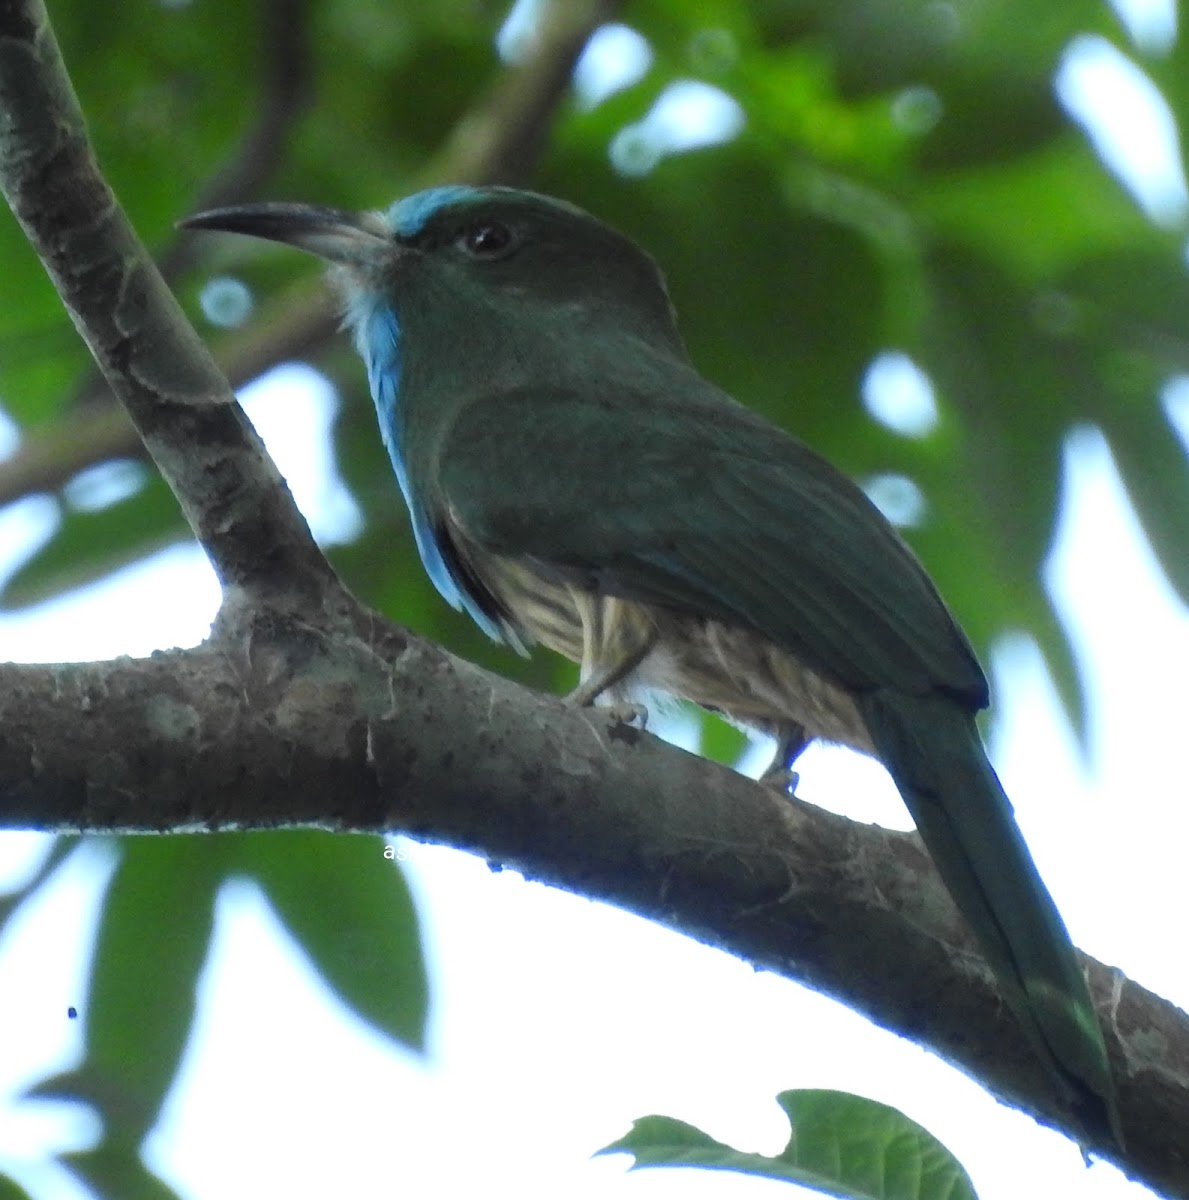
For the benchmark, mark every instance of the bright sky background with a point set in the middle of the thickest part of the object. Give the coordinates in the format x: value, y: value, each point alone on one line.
x: 557, y: 1021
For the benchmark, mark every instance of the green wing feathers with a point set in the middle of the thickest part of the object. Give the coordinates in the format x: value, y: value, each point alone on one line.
x: 703, y: 507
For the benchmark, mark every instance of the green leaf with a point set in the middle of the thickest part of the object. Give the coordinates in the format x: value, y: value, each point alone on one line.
x: 1156, y: 476
x: 11, y: 1190
x: 114, y: 1173
x: 58, y: 850
x: 720, y: 740
x: 350, y: 910
x: 1074, y: 211
x: 152, y: 943
x: 841, y: 1145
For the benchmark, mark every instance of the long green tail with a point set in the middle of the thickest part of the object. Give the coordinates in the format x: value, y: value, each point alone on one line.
x: 932, y: 749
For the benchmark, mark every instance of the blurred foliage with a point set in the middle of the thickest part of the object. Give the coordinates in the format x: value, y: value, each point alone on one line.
x: 905, y: 179
x: 340, y: 900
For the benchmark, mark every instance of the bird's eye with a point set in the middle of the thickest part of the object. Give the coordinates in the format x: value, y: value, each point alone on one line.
x: 488, y: 240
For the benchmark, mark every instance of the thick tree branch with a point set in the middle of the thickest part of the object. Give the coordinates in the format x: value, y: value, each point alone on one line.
x: 356, y: 725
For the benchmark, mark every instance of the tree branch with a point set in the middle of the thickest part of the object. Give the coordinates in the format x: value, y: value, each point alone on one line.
x: 357, y: 725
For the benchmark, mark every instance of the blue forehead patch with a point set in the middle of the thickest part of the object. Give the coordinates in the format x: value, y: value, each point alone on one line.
x: 408, y: 217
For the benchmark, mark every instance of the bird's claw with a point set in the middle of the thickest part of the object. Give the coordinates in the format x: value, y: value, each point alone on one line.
x: 622, y: 712
x: 625, y: 712
x: 783, y: 779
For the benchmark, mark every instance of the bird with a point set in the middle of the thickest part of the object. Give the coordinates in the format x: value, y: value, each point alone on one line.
x: 573, y: 481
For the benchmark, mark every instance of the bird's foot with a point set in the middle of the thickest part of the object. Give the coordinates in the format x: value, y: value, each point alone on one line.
x: 783, y: 779
x: 790, y: 741
x: 625, y: 712
x: 622, y: 712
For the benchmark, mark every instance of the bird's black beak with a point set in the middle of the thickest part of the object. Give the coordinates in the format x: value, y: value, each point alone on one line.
x: 352, y: 239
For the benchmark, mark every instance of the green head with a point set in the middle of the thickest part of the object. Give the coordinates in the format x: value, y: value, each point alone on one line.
x: 463, y: 252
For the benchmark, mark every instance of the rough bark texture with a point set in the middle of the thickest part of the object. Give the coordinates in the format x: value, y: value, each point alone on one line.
x: 353, y: 724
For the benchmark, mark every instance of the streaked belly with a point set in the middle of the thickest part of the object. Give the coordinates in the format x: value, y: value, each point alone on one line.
x: 731, y: 670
